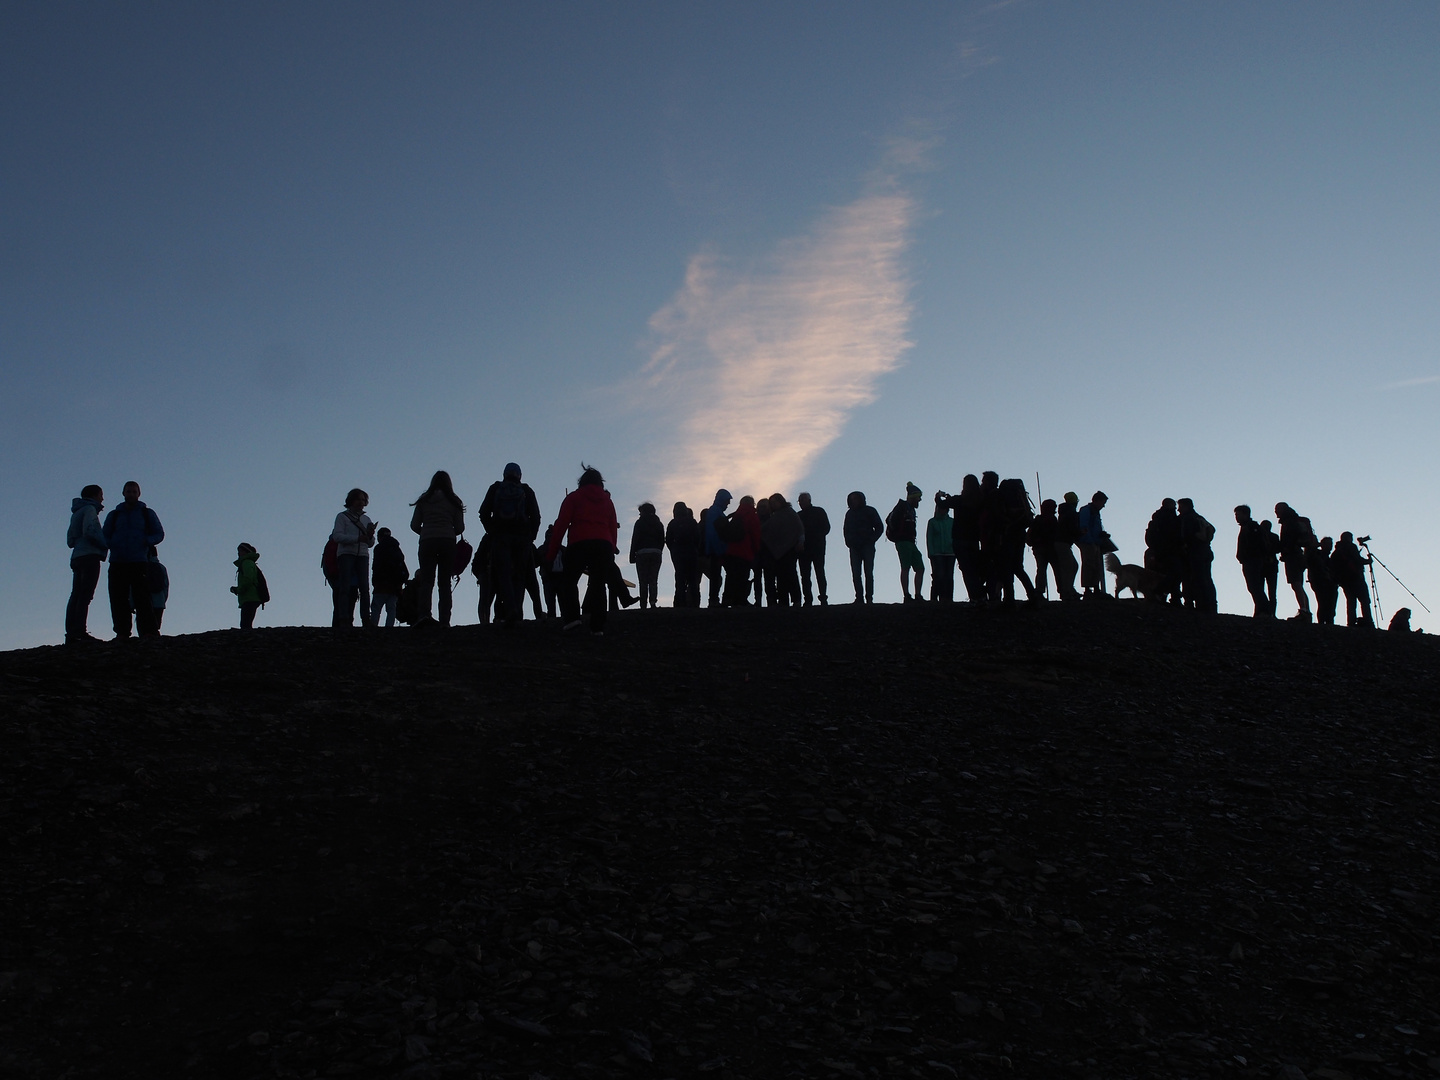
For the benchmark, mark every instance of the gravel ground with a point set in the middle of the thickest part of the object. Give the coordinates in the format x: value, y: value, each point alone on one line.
x: 1090, y: 840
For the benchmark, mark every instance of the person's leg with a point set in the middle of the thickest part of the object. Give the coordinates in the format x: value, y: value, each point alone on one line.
x: 904, y: 571
x: 425, y: 576
x: 1327, y: 606
x: 802, y: 566
x: 502, y: 570
x: 870, y: 576
x: 1363, y: 595
x: 444, y: 582
x: 567, y: 585
x: 147, y: 622
x: 857, y: 563
x: 85, y: 576
x: 817, y: 560
x: 119, y: 586
x: 598, y: 561
x: 247, y: 614
x: 1295, y: 576
x: 1255, y: 583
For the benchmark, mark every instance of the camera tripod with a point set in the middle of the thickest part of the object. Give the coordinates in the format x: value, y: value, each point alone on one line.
x: 1364, y: 542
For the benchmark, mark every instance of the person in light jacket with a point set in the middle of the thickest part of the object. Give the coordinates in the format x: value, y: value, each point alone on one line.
x: 438, y: 519
x: 87, y: 551
x: 354, y: 535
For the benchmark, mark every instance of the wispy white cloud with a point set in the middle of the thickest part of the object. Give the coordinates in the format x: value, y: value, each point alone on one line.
x: 1423, y: 380
x: 761, y: 365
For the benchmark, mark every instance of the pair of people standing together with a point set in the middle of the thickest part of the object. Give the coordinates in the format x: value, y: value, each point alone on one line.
x: 129, y: 536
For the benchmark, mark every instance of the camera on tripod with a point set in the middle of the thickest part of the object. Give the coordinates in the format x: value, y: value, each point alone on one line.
x: 1362, y: 540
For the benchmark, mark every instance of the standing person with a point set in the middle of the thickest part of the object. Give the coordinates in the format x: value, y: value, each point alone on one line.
x: 1042, y: 536
x: 1297, y: 539
x: 765, y: 580
x: 1094, y: 543
x: 713, y: 526
x: 1067, y: 517
x: 940, y: 547
x: 965, y: 536
x: 1257, y: 561
x: 159, y: 579
x: 902, y: 529
x: 1348, y: 567
x: 861, y: 530
x: 1195, y: 536
x: 549, y: 579
x: 682, y: 540
x: 783, y: 536
x: 1012, y: 515
x: 1322, y: 583
x: 510, y: 514
x: 991, y: 532
x: 588, y: 516
x: 130, y: 531
x: 816, y: 524
x: 354, y: 535
x: 388, y: 577
x: 1164, y: 549
x: 438, y: 518
x: 740, y: 552
x: 88, y: 546
x: 647, y: 552
x: 247, y: 585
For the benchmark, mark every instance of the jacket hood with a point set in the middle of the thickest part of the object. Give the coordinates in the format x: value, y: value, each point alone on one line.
x: 77, y: 502
x: 249, y: 556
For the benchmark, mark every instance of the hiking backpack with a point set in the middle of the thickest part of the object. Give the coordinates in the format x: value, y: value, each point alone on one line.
x: 262, y: 588
x: 509, y: 504
x: 1014, y: 500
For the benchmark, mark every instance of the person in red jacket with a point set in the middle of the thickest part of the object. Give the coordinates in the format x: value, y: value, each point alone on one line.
x: 744, y: 545
x: 588, y: 515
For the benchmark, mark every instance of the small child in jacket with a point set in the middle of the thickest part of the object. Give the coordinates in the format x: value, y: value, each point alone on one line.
x: 247, y: 584
x: 388, y: 576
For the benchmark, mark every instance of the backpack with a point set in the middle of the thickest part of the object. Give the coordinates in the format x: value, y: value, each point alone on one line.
x: 1014, y: 500
x: 509, y: 505
x: 262, y: 587
x: 463, y: 551
x: 407, y: 607
x: 897, y: 523
x: 731, y: 529
x: 330, y: 562
x: 156, y: 579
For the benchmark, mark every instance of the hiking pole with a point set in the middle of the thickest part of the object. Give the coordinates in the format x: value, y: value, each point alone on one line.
x: 1039, y: 497
x: 1364, y: 542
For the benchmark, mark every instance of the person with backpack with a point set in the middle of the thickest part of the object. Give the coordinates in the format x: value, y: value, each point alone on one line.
x: 87, y: 544
x: 511, y: 517
x: 130, y: 531
x: 250, y: 588
x: 1255, y: 551
x: 816, y: 524
x: 587, y: 516
x: 682, y: 540
x: 713, y: 524
x: 1011, y: 517
x: 862, y: 528
x: 1094, y: 544
x: 1042, y: 536
x: 1322, y: 582
x: 388, y: 575
x: 438, y: 518
x: 353, y: 537
x: 647, y: 552
x: 1348, y: 567
x: 1297, y: 540
x: 1195, y: 536
x: 902, y: 529
x: 1068, y: 533
x: 965, y: 537
x: 940, y: 548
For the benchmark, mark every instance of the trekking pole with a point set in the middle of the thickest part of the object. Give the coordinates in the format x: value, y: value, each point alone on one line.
x: 1039, y: 497
x: 1366, y: 545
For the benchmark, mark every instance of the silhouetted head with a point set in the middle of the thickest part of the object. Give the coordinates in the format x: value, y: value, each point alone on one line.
x: 1401, y: 620
x: 355, y: 499
x: 989, y: 479
x: 1099, y: 499
x: 647, y: 509
x: 1347, y: 538
x: 590, y: 475
x: 805, y: 500
x: 1169, y: 504
x: 1242, y: 513
x: 512, y: 472
x: 92, y: 491
x: 1267, y: 525
x: 912, y: 494
x: 131, y: 491
x: 680, y: 510
x: 777, y: 500
x: 722, y: 498
x: 1047, y: 507
x: 1283, y: 513
x: 245, y: 549
x: 1072, y: 499
x: 970, y: 484
x: 1327, y: 545
x: 855, y: 500
x: 384, y: 534
x: 747, y: 502
x: 441, y: 482
x: 1185, y: 504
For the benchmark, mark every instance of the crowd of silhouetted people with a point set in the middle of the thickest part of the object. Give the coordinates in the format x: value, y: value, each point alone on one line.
x: 763, y: 552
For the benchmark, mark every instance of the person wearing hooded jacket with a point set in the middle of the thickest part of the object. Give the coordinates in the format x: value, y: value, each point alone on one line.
x: 783, y: 535
x: 388, y: 575
x: 647, y: 551
x: 510, y: 515
x: 588, y: 517
x: 438, y: 518
x: 87, y: 544
x: 740, y: 553
x: 130, y: 531
x: 247, y: 584
x: 861, y: 530
x: 713, y: 544
x: 682, y: 540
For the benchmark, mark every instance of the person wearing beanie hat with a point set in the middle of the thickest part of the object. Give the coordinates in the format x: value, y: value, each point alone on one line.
x: 247, y: 587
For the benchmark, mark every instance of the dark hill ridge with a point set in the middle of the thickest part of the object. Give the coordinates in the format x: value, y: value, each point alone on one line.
x: 1092, y: 840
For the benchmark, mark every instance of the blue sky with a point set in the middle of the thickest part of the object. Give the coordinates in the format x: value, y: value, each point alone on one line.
x: 253, y: 256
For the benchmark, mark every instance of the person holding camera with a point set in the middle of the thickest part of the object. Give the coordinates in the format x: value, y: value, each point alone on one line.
x: 1348, y: 565
x: 354, y: 535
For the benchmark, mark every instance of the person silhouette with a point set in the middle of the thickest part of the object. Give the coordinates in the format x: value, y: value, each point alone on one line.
x: 682, y: 540
x: 388, y: 576
x: 812, y: 557
x: 1255, y: 549
x: 940, y: 549
x: 1195, y: 536
x: 713, y: 527
x: 1322, y: 582
x: 1348, y: 567
x: 130, y: 531
x: 247, y: 584
x: 1297, y: 540
x: 354, y: 535
x: 902, y: 529
x: 1165, y: 550
x: 783, y: 536
x: 510, y: 516
x: 86, y: 540
x: 647, y: 552
x: 1094, y: 543
x: 862, y: 529
x: 587, y: 517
